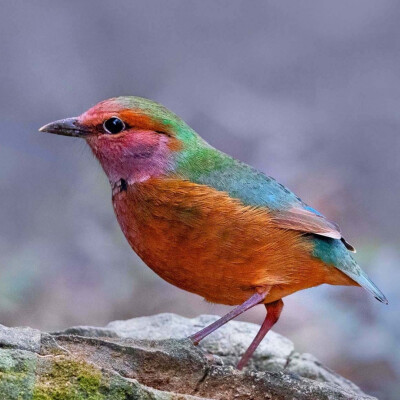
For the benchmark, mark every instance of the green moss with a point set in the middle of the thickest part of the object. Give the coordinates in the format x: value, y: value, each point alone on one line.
x: 63, y: 378
x: 17, y: 374
x: 25, y: 376
x: 69, y: 380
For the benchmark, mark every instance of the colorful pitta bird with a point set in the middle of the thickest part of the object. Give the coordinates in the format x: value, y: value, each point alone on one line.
x: 206, y: 222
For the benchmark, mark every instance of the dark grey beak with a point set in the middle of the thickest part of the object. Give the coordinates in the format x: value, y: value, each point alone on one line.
x: 66, y: 127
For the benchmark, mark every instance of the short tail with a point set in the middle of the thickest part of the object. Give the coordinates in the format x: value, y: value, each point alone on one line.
x: 364, y: 281
x: 336, y: 253
x: 354, y: 271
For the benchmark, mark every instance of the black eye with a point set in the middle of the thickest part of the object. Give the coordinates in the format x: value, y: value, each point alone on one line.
x: 114, y: 125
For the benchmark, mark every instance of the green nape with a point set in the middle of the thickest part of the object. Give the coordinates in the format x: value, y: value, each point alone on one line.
x: 197, y: 161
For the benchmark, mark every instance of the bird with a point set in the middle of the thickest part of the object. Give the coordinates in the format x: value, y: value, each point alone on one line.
x: 207, y: 222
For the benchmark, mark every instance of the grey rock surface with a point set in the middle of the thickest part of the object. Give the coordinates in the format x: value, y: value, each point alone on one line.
x: 150, y: 358
x: 20, y: 338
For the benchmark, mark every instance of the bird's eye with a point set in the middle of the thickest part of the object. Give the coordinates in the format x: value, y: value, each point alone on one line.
x: 113, y: 125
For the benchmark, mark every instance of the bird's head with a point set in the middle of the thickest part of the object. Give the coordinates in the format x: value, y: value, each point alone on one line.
x: 132, y: 137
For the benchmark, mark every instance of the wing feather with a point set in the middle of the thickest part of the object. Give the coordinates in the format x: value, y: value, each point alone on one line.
x: 300, y: 219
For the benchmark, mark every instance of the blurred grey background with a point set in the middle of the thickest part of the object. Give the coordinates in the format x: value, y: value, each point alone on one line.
x: 308, y: 92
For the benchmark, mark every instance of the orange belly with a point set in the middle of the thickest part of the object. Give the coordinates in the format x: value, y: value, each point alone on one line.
x: 207, y: 243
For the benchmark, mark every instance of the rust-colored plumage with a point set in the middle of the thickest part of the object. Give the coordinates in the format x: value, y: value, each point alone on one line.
x: 170, y: 222
x: 206, y: 222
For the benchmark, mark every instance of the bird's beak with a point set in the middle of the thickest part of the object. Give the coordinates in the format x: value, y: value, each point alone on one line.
x: 66, y: 127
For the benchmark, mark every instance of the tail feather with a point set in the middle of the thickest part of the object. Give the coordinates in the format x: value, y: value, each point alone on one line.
x: 336, y: 253
x: 354, y: 271
x: 364, y: 281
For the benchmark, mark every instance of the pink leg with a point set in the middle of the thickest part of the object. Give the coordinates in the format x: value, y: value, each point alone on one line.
x: 251, y: 302
x: 273, y: 312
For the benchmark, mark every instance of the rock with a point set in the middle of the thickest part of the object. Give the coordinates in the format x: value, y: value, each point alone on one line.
x: 20, y: 338
x: 150, y: 358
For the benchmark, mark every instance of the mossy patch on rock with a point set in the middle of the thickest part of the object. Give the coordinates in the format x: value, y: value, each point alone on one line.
x: 62, y: 378
x: 65, y: 378
x: 17, y: 374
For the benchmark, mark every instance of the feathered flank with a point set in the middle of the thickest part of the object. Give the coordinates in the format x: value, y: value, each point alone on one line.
x: 206, y: 242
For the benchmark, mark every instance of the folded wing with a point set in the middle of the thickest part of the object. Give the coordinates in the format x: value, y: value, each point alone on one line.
x: 302, y: 220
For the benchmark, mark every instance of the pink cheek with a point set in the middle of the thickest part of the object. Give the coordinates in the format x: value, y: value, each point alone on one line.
x: 136, y: 155
x: 142, y: 138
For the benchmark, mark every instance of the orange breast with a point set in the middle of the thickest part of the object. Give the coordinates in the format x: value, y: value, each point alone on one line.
x: 205, y: 242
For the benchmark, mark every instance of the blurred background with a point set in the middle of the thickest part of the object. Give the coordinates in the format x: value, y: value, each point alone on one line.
x: 308, y: 92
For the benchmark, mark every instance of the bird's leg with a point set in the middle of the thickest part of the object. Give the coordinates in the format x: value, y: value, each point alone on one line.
x: 255, y: 299
x: 273, y: 312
